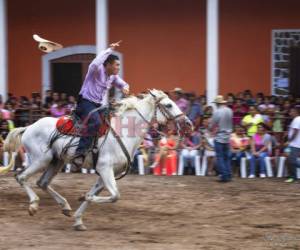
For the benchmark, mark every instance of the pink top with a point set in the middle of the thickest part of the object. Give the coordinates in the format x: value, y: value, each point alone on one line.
x: 57, y: 112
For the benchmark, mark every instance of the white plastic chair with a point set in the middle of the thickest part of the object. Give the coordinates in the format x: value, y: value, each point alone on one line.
x: 197, y: 166
x: 269, y: 168
x: 141, y: 166
x: 243, y: 168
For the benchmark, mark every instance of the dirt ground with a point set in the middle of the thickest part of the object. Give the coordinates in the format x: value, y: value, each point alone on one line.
x: 178, y: 213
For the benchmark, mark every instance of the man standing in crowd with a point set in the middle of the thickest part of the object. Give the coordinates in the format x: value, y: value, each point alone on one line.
x: 294, y: 144
x: 221, y: 123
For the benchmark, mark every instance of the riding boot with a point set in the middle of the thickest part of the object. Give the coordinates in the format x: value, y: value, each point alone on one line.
x: 78, y: 161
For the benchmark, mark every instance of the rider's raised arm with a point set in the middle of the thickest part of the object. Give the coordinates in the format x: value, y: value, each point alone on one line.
x: 100, y: 58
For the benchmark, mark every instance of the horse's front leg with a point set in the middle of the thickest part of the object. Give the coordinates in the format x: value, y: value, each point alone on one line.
x: 110, y: 184
x: 78, y: 225
x: 64, y: 204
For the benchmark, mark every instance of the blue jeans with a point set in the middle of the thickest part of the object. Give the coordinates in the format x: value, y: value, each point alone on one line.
x: 293, y: 164
x: 91, y: 125
x: 223, y: 160
x: 262, y: 164
x: 238, y: 156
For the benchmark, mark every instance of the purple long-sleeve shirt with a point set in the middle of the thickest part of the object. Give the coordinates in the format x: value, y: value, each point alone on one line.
x: 97, y: 82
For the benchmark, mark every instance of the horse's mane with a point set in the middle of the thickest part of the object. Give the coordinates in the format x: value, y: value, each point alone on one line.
x: 132, y: 102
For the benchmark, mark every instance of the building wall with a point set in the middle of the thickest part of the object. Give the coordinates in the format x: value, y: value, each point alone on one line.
x: 245, y: 41
x: 67, y: 22
x: 163, y: 41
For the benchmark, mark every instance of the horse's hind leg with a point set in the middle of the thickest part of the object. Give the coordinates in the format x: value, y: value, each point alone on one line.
x: 45, y: 180
x: 96, y: 189
x: 22, y: 180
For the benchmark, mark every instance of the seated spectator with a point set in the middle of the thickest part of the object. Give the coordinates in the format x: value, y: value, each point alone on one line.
x: 55, y: 97
x: 166, y: 159
x: 203, y: 101
x: 195, y: 108
x: 239, y: 111
x: 180, y: 100
x: 267, y: 115
x: 251, y: 120
x: 71, y: 104
x: 267, y: 104
x: 230, y: 100
x: 259, y: 99
x: 239, y: 143
x: 6, y: 114
x: 58, y: 109
x: 4, y: 129
x: 149, y: 148
x: 48, y: 101
x: 248, y: 98
x: 261, y: 145
x: 36, y: 102
x: 278, y: 121
x: 22, y: 113
x: 190, y: 148
x: 208, y: 111
x: 297, y: 103
x: 140, y: 151
x: 64, y: 98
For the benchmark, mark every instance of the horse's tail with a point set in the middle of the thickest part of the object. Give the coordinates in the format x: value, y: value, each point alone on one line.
x: 12, y: 144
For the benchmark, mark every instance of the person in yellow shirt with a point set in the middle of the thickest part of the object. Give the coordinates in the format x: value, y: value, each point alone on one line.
x: 251, y: 120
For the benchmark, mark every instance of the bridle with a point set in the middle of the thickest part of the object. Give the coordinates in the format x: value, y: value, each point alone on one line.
x: 165, y: 112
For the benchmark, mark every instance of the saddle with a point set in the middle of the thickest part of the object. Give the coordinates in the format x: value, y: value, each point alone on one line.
x: 69, y: 125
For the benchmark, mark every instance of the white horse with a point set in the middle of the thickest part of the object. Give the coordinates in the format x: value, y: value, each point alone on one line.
x: 111, y: 161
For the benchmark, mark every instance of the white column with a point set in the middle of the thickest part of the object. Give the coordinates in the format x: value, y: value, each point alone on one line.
x: 212, y: 42
x: 3, y: 50
x: 101, y: 25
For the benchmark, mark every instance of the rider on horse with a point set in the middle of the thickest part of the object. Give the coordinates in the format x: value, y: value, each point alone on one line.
x: 101, y: 76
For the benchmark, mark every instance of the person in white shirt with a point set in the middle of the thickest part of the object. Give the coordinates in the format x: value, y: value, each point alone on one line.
x: 294, y: 144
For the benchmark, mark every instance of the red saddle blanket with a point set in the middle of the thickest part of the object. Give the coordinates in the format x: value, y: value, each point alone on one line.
x: 66, y: 126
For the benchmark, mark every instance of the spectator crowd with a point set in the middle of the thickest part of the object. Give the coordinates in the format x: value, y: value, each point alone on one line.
x: 260, y: 130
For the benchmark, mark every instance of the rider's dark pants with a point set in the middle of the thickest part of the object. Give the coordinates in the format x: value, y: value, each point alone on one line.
x: 91, y: 124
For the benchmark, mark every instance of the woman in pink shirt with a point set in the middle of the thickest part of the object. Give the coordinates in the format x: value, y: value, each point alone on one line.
x: 58, y: 110
x: 261, y: 145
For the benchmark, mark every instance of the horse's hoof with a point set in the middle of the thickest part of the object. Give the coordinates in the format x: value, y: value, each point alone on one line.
x: 33, y: 208
x: 80, y: 227
x: 67, y: 212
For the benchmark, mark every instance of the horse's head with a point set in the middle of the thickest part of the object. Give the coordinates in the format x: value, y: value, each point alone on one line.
x: 167, y: 110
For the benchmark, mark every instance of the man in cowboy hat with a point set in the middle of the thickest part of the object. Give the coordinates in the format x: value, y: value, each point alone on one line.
x: 101, y: 76
x: 222, y: 123
x: 178, y: 97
